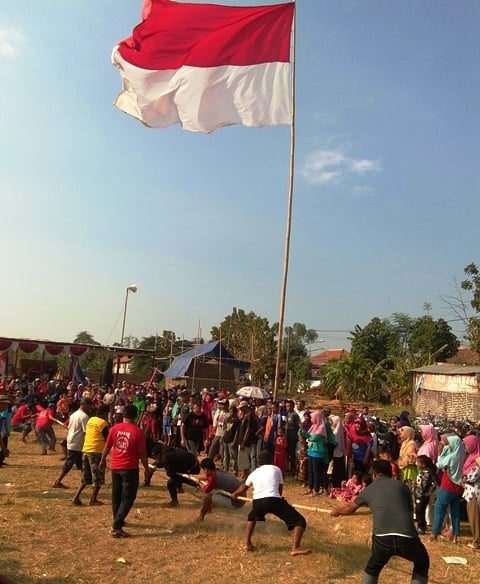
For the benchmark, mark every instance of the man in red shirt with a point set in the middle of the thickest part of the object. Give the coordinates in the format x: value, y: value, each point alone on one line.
x: 22, y: 420
x: 127, y: 443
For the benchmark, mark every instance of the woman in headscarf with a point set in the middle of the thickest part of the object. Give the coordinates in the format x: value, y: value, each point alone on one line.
x: 339, y: 473
x: 407, y: 460
x: 471, y: 494
x: 317, y: 454
x: 361, y: 445
x: 430, y: 442
x: 404, y: 419
x: 449, y: 494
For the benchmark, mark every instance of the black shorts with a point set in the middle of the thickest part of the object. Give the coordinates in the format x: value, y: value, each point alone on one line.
x: 74, y: 458
x: 278, y: 507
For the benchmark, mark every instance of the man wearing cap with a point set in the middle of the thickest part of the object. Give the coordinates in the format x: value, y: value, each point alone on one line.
x: 77, y: 425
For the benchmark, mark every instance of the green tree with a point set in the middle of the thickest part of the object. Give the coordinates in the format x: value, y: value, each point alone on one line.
x: 383, y: 354
x: 472, y: 285
x: 250, y: 338
x: 165, y: 346
x: 355, y: 378
x: 295, y: 353
x: 402, y: 325
x: 93, y: 361
x: 375, y: 341
x: 85, y: 338
x: 430, y: 337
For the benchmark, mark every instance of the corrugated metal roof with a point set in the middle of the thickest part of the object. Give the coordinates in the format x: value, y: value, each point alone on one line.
x: 449, y: 369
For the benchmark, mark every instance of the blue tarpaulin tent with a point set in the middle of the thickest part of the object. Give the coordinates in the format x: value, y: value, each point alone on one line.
x: 214, y: 349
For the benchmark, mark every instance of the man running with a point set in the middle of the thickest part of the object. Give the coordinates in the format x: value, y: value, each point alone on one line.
x: 127, y: 443
x: 394, y: 532
x: 267, y: 483
x: 77, y: 424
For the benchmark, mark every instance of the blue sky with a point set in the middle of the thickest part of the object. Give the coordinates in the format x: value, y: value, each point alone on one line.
x: 387, y: 190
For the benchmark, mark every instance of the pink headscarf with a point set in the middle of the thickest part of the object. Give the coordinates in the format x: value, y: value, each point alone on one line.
x: 318, y: 424
x: 472, y: 448
x: 430, y: 442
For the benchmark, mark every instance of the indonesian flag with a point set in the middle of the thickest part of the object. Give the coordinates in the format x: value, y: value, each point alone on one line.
x: 205, y: 66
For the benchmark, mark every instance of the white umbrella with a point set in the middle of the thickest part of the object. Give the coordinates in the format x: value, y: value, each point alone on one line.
x: 251, y: 391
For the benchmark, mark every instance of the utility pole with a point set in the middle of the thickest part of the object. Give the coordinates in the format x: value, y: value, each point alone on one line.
x: 287, y: 358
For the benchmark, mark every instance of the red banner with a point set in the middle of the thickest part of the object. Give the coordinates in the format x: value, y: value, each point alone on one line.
x: 54, y: 349
x: 4, y: 344
x: 27, y: 346
x: 77, y: 350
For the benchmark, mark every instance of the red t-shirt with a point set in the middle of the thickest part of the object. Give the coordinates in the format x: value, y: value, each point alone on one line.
x: 44, y: 418
x: 127, y: 444
x: 211, y: 484
x: 448, y: 485
x: 20, y: 415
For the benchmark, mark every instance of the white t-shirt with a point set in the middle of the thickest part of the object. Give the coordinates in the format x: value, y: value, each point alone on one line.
x: 77, y: 425
x: 266, y: 481
x: 301, y: 414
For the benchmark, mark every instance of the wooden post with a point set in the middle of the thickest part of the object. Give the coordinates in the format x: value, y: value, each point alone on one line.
x: 220, y: 362
x: 288, y: 230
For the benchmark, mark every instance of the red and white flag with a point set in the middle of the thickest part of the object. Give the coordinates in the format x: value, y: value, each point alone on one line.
x: 205, y: 66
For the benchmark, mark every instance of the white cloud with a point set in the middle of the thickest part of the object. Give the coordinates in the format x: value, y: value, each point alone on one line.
x: 11, y: 43
x: 325, y: 166
x: 363, y: 166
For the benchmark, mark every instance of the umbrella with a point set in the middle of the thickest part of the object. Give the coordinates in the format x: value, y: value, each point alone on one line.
x: 253, y: 392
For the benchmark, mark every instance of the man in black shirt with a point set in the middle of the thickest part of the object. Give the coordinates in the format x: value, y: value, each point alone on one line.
x: 177, y: 462
x: 394, y: 532
x: 292, y: 427
x: 192, y: 430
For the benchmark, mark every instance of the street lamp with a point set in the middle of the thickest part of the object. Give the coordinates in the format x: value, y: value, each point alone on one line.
x: 132, y: 288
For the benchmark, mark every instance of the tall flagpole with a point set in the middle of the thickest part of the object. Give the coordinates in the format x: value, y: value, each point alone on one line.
x: 288, y: 230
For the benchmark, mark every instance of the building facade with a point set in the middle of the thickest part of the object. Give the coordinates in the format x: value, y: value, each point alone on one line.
x: 447, y: 390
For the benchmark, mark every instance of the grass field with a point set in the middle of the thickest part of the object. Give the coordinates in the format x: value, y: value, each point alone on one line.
x: 45, y: 539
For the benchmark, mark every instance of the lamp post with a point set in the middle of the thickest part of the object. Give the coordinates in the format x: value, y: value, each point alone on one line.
x: 132, y: 288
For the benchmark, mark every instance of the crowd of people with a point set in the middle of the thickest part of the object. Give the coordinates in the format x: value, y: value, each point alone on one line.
x: 222, y: 435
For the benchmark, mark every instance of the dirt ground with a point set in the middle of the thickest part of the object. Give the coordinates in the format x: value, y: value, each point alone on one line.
x: 44, y: 538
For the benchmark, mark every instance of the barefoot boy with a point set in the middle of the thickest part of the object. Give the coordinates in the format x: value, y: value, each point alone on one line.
x: 267, y: 483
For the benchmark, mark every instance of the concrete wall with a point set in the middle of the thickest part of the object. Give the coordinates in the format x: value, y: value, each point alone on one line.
x: 453, y: 396
x: 451, y: 383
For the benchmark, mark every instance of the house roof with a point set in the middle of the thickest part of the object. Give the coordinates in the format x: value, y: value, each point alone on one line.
x: 180, y: 365
x: 449, y: 369
x: 465, y: 356
x: 329, y: 355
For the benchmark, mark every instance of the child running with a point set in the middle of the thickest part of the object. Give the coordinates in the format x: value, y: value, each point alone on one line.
x: 267, y: 483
